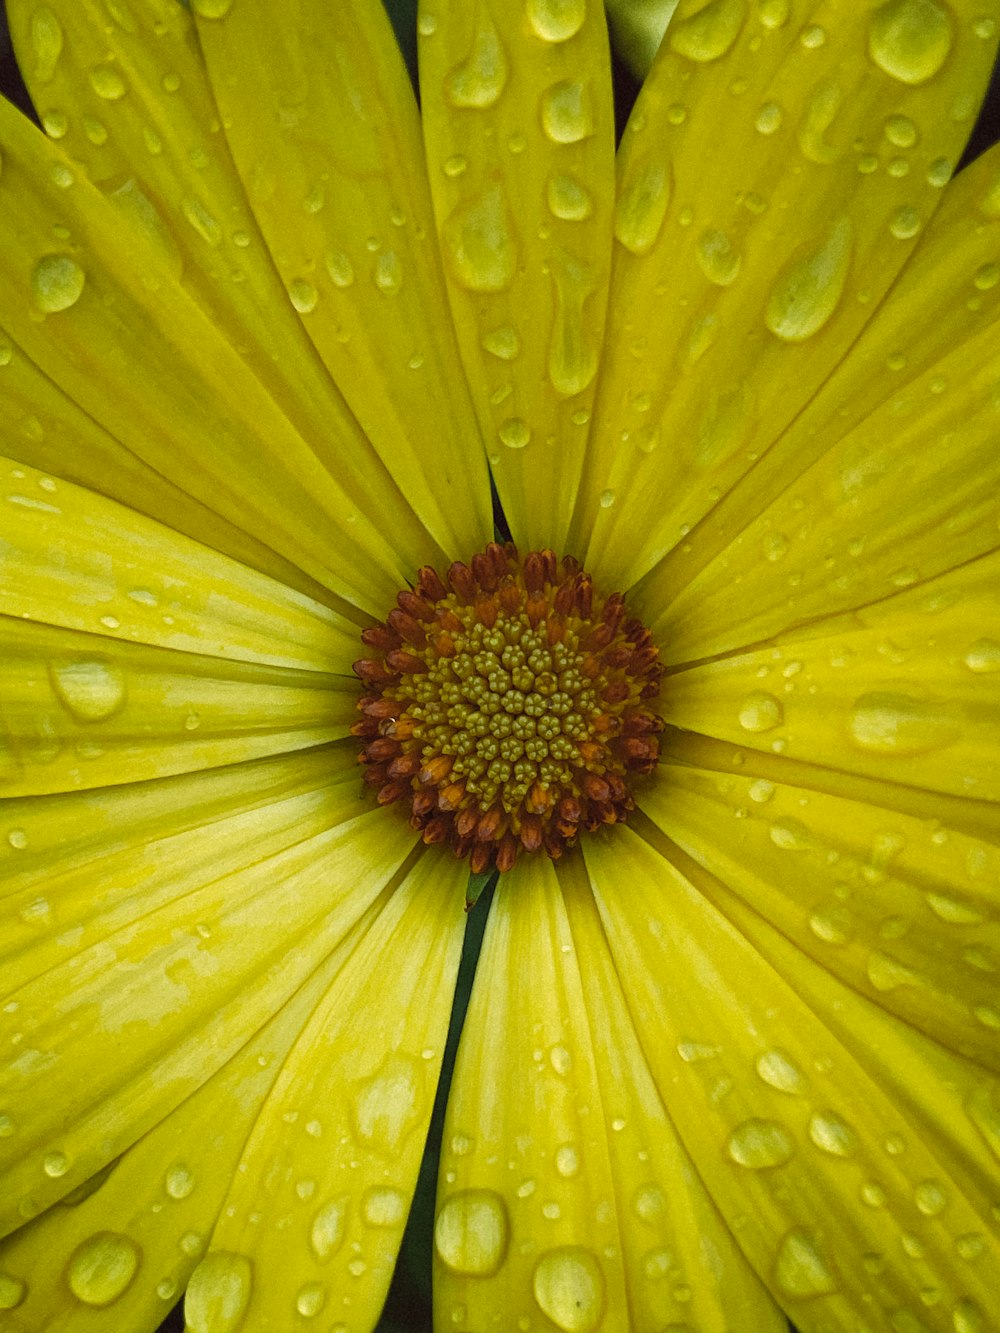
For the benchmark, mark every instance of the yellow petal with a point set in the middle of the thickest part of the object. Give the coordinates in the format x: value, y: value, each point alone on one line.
x: 92, y: 301
x: 75, y: 559
x: 787, y: 1130
x: 637, y: 27
x: 906, y: 689
x: 519, y: 135
x: 737, y: 290
x: 172, y: 995
x: 902, y: 429
x: 326, y: 136
x: 316, y: 1209
x: 82, y: 712
x: 119, y: 1250
x: 667, y: 1219
x: 526, y: 1214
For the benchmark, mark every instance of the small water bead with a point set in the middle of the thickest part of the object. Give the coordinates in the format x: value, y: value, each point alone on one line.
x: 568, y: 200
x: 12, y: 1291
x: 455, y: 165
x: 56, y: 1164
x: 218, y: 1293
x: 108, y: 83
x: 901, y: 131
x: 388, y: 273
x: 55, y: 124
x: 717, y: 258
x: 606, y: 499
x: 472, y: 1232
x: 910, y: 39
x: 478, y: 82
x: 310, y: 1299
x: 761, y: 711
x: 326, y: 1234
x: 986, y: 277
x: 303, y: 296
x: 769, y: 118
x: 179, y: 1181
x: 567, y: 116
x: 759, y: 1144
x: 832, y: 1134
x: 930, y: 1197
x: 710, y: 33
x: 503, y: 343
x: 91, y: 689
x: 773, y: 13
x: 551, y: 1211
x: 813, y: 37
x: 642, y: 206
x: 556, y: 20
x: 514, y: 433
x: 801, y: 1270
x: 339, y: 268
x: 567, y: 1160
x: 650, y: 1203
x: 569, y: 1287
x: 57, y: 283
x: 102, y: 1268
x: 905, y: 223
x: 807, y: 292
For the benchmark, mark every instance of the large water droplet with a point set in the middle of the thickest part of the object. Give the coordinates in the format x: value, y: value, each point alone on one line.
x: 806, y: 294
x: 218, y: 1293
x: 56, y: 283
x: 800, y: 1269
x: 832, y: 1135
x: 930, y: 1197
x: 567, y: 1160
x: 107, y: 83
x: 716, y: 257
x: 472, y: 1232
x: 757, y: 1144
x: 384, y: 1206
x: 901, y: 725
x: 760, y: 712
x: 102, y: 1268
x: 479, y: 242
x: 91, y: 689
x: 387, y: 1106
x: 779, y: 1071
x: 46, y: 42
x: 569, y: 1288
x: 556, y: 20
x: 567, y: 199
x: 710, y: 33
x: 910, y: 39
x: 572, y: 356
x: 566, y: 112
x: 642, y: 205
x: 310, y: 1299
x: 479, y: 80
x: 327, y: 1232
x: 179, y: 1181
x: 514, y: 433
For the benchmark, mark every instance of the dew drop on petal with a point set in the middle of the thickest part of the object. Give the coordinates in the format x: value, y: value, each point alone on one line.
x: 716, y: 257
x: 480, y: 79
x: 179, y: 1181
x: 211, y: 9
x: 758, y: 1144
x: 386, y: 1106
x: 388, y: 273
x: 778, y: 1070
x: 384, y: 1206
x: 107, y: 83
x: 567, y: 199
x: 930, y: 1197
x: 567, y: 1160
x: 910, y: 39
x: 710, y: 33
x: 327, y: 1232
x: 56, y: 1164
x: 556, y: 20
x: 983, y: 656
x: 642, y: 205
x: 503, y: 343
x: 46, y: 42
x: 650, y: 1203
x: 901, y: 725
x: 967, y: 1317
x: 807, y: 293
x: 566, y: 112
x: 514, y: 433
x: 569, y: 1287
x: 760, y: 711
x: 12, y: 1291
x: 832, y: 1134
x: 479, y: 243
x: 573, y: 358
x: 800, y: 1269
x: 310, y: 1299
x: 303, y: 296
x: 472, y: 1232
x: 56, y: 283
x: 102, y: 1268
x: 218, y: 1293
x: 89, y: 688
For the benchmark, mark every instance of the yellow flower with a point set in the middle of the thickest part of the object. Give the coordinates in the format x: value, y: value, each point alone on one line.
x: 732, y: 1061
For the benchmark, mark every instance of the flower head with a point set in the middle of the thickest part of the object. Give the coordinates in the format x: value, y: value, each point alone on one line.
x: 724, y: 712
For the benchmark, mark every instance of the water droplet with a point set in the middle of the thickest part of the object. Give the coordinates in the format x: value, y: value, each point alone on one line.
x: 384, y: 1206
x: 566, y: 112
x: 983, y: 656
x: 650, y: 1203
x: 556, y: 20
x: 311, y: 1299
x: 218, y: 1293
x: 479, y: 242
x: 303, y: 296
x: 710, y: 33
x: 18, y: 839
x: 479, y: 80
x: 773, y: 13
x: 901, y: 725
x: 904, y: 223
x: 514, y: 433
x: 568, y: 200
x: 90, y: 688
x: 573, y: 358
x: 211, y: 9
x: 642, y: 205
x: 472, y: 1232
x: 102, y: 1268
x: 56, y: 282
x: 569, y: 1287
x: 386, y: 1106
x: 806, y: 294
x: 800, y: 1269
x: 339, y: 267
x: 832, y: 923
x: 179, y: 1181
x: 886, y: 973
x: 191, y: 1243
x: 930, y: 1197
x: 560, y: 1060
x: 757, y: 1144
x: 910, y: 39
x: 716, y: 257
x: 388, y: 273
x: 202, y: 221
x: 327, y: 1232
x: 107, y: 83
x: 55, y: 124
x: 901, y: 131
x: 779, y: 1071
x: 455, y: 165
x: 768, y: 118
x: 567, y: 1160
x: 761, y: 712
x: 12, y: 1292
x: 833, y: 1135
x: 967, y: 1317
x: 503, y: 342
x: 691, y: 1052
x: 46, y: 42
x: 56, y: 1164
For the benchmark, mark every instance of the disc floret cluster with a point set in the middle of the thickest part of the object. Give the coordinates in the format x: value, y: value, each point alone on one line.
x: 508, y: 705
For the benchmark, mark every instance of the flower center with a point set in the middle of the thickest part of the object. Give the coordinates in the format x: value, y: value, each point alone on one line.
x: 508, y: 704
